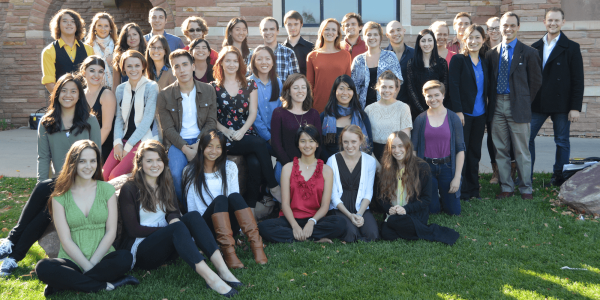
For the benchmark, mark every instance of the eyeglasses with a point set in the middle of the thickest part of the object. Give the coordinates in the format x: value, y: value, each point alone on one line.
x: 157, y: 48
x: 192, y: 30
x: 493, y: 28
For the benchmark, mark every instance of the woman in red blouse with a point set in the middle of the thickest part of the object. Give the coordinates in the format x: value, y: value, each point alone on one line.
x: 306, y: 192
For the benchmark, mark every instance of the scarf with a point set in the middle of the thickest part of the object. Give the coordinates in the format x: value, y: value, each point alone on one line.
x: 330, y: 130
x: 109, y: 46
x: 138, y: 104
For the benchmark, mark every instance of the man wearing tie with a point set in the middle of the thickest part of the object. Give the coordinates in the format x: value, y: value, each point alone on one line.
x: 515, y: 78
x: 561, y: 95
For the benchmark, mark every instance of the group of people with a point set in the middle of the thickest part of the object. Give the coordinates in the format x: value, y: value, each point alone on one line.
x: 355, y: 129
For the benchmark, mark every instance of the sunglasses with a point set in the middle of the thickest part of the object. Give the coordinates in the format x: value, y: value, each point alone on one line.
x: 195, y: 30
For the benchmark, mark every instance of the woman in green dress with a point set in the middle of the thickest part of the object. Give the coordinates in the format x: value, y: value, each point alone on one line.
x: 84, y: 211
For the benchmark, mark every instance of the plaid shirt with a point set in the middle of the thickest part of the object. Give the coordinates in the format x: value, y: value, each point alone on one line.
x: 286, y: 62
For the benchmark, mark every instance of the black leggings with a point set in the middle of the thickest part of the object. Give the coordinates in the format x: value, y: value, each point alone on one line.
x: 255, y: 150
x: 64, y: 274
x: 225, y: 204
x: 280, y: 230
x: 176, y: 239
x: 33, y: 221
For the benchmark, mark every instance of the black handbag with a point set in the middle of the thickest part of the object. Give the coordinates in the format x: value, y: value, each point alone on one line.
x: 34, y: 118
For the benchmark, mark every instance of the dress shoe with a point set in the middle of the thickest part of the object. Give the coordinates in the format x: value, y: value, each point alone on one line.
x: 505, y: 195
x: 229, y: 294
x: 127, y: 280
x: 526, y: 196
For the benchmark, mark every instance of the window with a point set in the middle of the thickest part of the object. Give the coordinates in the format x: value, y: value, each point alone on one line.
x: 315, y: 11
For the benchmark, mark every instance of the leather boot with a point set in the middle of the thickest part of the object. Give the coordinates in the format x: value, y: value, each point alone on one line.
x: 248, y: 225
x: 222, y: 226
x: 495, y: 176
x: 513, y: 171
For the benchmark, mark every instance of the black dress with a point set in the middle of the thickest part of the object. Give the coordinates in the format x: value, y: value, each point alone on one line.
x: 350, y: 182
x: 371, y: 92
x: 108, y: 144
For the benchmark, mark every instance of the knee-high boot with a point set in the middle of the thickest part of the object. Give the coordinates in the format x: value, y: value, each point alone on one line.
x: 222, y: 226
x: 248, y: 225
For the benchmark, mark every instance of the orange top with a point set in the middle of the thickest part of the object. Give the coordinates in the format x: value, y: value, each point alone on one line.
x: 321, y: 70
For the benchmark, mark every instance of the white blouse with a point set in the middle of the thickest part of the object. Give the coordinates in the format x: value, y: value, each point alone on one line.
x: 215, y: 186
x: 149, y: 219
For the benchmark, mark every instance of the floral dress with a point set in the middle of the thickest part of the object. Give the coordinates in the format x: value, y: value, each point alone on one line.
x: 232, y: 111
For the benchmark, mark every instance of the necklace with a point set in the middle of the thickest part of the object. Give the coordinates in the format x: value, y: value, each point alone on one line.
x: 299, y: 122
x: 307, y: 165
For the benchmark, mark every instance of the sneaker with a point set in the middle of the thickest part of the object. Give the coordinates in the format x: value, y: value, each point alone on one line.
x: 8, y: 266
x: 5, y: 248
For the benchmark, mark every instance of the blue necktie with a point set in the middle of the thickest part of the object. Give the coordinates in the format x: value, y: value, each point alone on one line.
x: 503, y: 75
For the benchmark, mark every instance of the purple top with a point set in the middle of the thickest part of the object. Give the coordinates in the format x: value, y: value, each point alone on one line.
x: 284, y: 125
x: 437, y: 139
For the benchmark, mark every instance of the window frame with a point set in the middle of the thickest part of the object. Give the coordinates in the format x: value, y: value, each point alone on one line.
x: 321, y: 12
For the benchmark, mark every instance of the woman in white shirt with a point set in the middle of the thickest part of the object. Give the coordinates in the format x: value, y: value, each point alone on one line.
x: 218, y: 200
x: 353, y: 178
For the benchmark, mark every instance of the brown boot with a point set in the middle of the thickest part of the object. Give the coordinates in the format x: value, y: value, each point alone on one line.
x: 248, y: 225
x: 513, y: 171
x: 225, y: 239
x: 495, y: 176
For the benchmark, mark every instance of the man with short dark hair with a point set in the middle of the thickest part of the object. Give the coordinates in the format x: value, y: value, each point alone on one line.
x: 157, y: 17
x: 462, y: 20
x: 395, y: 33
x: 293, y: 22
x: 515, y: 78
x: 561, y: 95
x: 285, y: 58
x: 185, y: 109
x: 68, y: 51
x: 352, y: 24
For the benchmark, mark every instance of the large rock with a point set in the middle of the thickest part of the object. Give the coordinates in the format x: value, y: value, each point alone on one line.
x: 51, y: 244
x: 582, y: 190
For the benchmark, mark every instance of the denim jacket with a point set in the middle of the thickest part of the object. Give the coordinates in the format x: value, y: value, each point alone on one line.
x: 360, y: 72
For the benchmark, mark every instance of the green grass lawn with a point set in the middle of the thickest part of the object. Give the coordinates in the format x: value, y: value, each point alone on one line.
x: 509, y: 249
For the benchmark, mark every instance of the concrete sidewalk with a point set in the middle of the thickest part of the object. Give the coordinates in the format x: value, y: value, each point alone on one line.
x: 18, y: 152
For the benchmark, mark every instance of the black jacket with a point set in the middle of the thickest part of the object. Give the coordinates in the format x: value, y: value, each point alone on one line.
x: 462, y: 84
x: 562, y: 78
x: 525, y: 80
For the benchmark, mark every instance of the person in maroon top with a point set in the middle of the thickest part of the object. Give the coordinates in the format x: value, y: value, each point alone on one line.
x: 295, y: 111
x: 352, y: 24
x: 306, y: 193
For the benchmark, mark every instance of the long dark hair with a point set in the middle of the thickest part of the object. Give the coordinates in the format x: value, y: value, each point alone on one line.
x: 150, y: 63
x: 332, y: 105
x: 272, y: 73
x: 418, y: 58
x: 228, y: 40
x: 314, y: 134
x: 121, y: 45
x: 67, y: 176
x: 164, y: 196
x: 194, y: 174
x: 52, y: 119
x: 468, y: 31
x: 388, y: 183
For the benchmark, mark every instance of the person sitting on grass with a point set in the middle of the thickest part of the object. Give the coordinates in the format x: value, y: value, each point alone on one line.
x: 405, y: 193
x: 155, y: 231
x: 85, y: 214
x: 353, y: 178
x: 211, y: 188
x: 306, y: 193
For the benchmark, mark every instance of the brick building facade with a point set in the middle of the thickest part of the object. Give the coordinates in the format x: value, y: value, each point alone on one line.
x: 24, y: 32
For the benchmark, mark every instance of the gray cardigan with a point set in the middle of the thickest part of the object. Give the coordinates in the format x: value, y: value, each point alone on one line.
x: 457, y: 142
x: 54, y: 147
x: 150, y: 95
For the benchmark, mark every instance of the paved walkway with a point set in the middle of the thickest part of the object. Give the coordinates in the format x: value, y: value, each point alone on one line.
x: 18, y: 152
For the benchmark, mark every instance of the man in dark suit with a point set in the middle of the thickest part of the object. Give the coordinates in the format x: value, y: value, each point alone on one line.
x: 561, y: 95
x: 515, y: 78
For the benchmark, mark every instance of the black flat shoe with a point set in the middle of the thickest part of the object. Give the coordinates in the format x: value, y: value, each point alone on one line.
x: 229, y: 294
x: 233, y: 284
x: 127, y: 280
x: 49, y: 291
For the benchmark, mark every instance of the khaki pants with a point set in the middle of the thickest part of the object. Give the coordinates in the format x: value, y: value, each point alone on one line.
x: 507, y: 133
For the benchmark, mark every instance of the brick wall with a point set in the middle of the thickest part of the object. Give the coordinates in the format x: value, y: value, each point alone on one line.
x: 23, y: 23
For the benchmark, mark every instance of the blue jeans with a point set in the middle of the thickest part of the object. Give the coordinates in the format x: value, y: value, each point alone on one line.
x: 441, y: 176
x: 562, y: 127
x: 177, y: 162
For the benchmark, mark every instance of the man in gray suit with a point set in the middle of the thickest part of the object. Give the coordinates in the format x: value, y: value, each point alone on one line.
x: 515, y: 78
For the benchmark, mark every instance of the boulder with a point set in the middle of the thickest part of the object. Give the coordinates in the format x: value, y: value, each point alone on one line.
x: 582, y: 190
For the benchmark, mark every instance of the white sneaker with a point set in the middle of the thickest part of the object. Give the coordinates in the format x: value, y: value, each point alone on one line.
x: 8, y: 266
x: 5, y: 248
